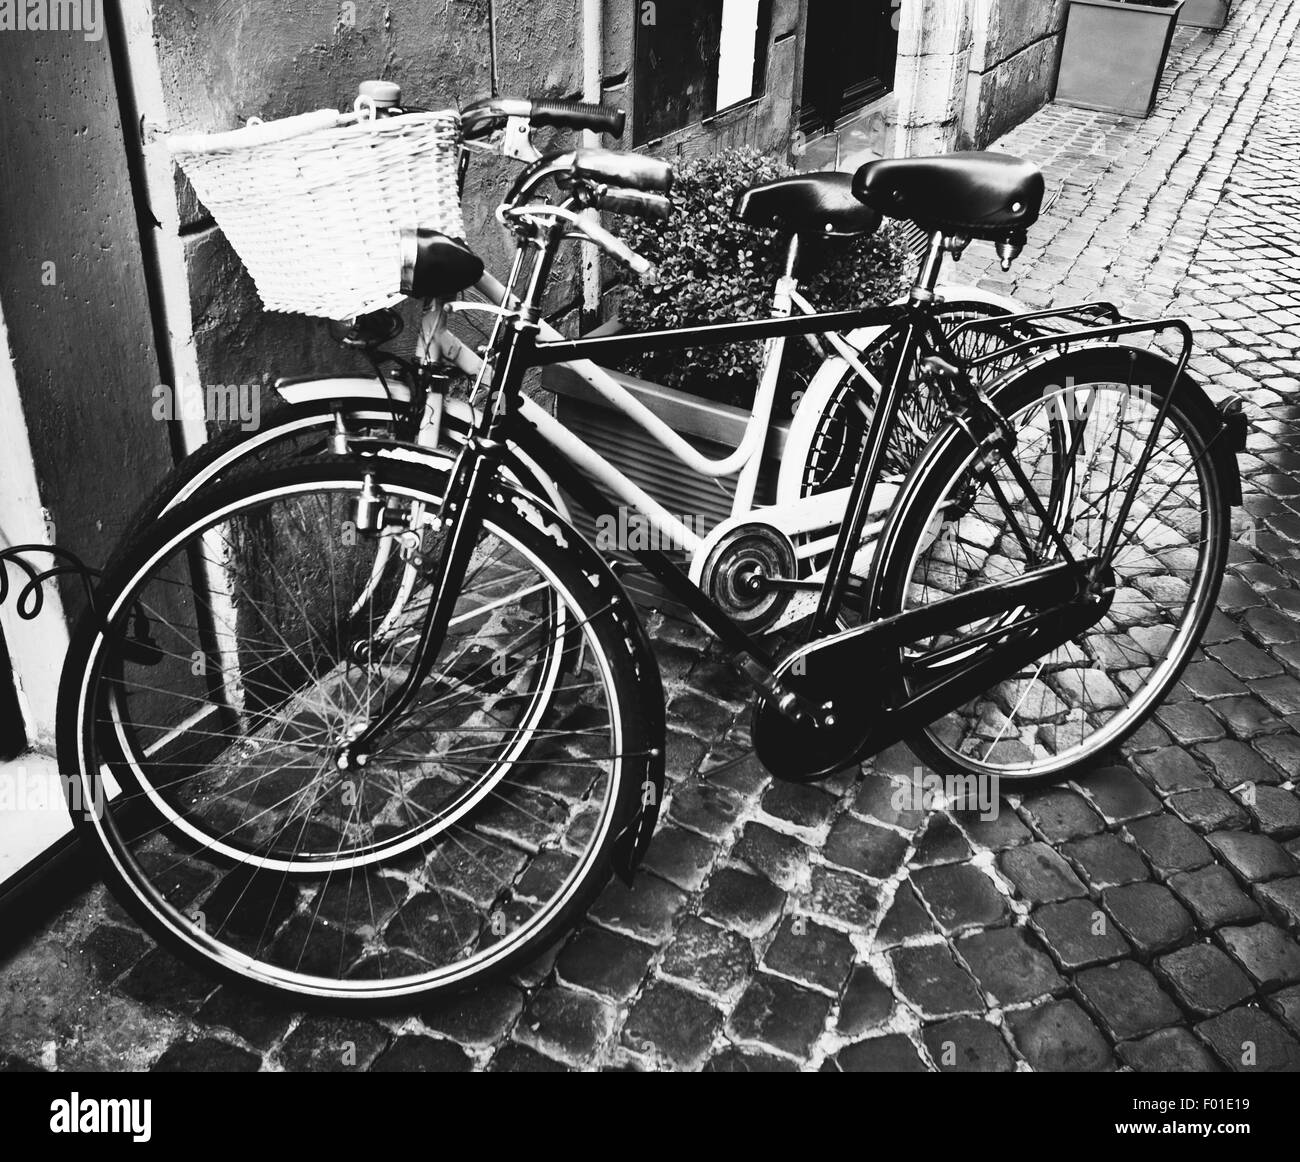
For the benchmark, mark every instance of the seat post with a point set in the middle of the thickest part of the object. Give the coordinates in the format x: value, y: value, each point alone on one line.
x: 791, y: 256
x: 927, y: 277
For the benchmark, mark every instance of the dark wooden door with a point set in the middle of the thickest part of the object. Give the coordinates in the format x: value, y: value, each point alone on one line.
x: 13, y: 740
x: 850, y: 51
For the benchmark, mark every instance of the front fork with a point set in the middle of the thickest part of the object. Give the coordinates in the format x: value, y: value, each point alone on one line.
x: 461, y: 518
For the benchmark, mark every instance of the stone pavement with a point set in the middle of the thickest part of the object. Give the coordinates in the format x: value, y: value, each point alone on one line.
x: 1143, y: 916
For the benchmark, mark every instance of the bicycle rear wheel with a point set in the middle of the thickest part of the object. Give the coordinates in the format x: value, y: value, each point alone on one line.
x: 250, y: 634
x: 840, y: 433
x: 967, y: 523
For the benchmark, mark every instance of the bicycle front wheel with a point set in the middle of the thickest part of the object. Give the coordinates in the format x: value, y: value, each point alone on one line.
x: 1081, y: 422
x: 251, y: 634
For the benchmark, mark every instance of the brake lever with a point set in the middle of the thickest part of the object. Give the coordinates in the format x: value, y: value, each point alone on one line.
x: 517, y: 140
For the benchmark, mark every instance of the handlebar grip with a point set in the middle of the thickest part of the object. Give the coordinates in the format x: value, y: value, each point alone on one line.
x: 578, y: 115
x: 651, y: 207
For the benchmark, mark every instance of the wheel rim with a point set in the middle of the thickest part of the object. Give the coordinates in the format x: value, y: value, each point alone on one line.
x: 1085, y: 696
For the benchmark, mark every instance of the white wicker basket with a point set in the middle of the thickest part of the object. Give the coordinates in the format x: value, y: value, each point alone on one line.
x: 315, y: 204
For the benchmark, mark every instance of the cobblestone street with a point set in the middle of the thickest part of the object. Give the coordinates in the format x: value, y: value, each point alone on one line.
x: 1143, y: 916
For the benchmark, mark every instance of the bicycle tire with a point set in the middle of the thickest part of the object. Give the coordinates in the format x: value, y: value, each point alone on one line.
x: 1041, y: 747
x: 617, y: 651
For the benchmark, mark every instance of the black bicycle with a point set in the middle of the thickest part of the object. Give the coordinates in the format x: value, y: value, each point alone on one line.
x: 360, y: 729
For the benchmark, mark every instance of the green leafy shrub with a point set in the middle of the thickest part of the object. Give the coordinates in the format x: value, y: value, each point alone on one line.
x: 713, y: 268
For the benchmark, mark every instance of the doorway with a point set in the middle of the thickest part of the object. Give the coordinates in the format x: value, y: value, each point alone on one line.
x: 850, y: 55
x: 13, y: 738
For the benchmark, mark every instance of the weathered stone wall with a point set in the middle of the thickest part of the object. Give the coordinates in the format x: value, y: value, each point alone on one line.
x: 224, y: 62
x: 73, y: 292
x: 1015, y: 46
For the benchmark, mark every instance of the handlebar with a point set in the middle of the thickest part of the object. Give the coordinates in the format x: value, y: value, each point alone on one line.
x: 651, y: 207
x: 485, y: 116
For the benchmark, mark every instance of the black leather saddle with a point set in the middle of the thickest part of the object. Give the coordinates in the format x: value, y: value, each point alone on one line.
x: 435, y: 266
x: 992, y: 196
x: 819, y: 204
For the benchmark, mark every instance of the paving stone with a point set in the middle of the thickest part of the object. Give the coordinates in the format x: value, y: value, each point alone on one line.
x: 1247, y: 1040
x: 1118, y: 794
x: 1276, y: 812
x: 515, y: 1058
x: 1280, y: 694
x: 705, y: 808
x: 864, y: 847
x: 1040, y: 874
x: 905, y: 919
x: 1079, y: 934
x: 671, y: 1027
x: 783, y: 859
x: 1169, y: 845
x: 1285, y: 1005
x: 842, y: 898
x: 565, y: 1024
x: 968, y: 1045
x: 1208, y: 679
x: 1010, y: 965
x: 1246, y: 717
x: 714, y: 960
x: 646, y: 911
x: 258, y: 1020
x: 799, y: 804
x: 742, y: 774
x: 1003, y: 830
x: 867, y: 1002
x: 1253, y: 858
x: 779, y: 1014
x: 1149, y: 915
x: 206, y: 1055
x: 811, y: 954
x: 1168, y: 1051
x: 1203, y: 979
x: 1281, y: 900
x: 112, y: 950
x: 887, y: 800
x: 604, y: 962
x: 743, y: 901
x: 704, y: 716
x: 478, y: 1018
x: 325, y: 1044
x: 1188, y: 722
x: 1268, y: 954
x: 1268, y: 626
x: 161, y: 979
x: 681, y: 857
x: 1105, y: 860
x: 1125, y: 998
x: 1213, y: 896
x: 412, y: 1053
x: 1245, y: 660
x: 1282, y: 750
x: 733, y: 1060
x: 1058, y: 1037
x: 961, y: 896
x: 1233, y: 763
x: 1208, y: 810
x: 1061, y: 814
x: 1173, y: 769
x: 683, y: 755
x: 932, y: 982
x: 942, y: 842
x: 892, y: 1053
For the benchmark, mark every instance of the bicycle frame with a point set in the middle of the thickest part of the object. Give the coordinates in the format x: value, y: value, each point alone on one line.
x: 512, y: 420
